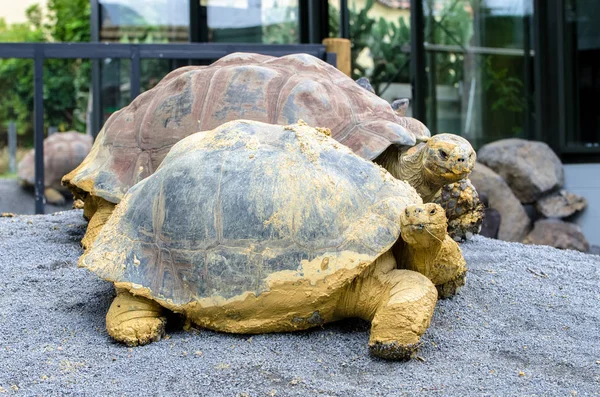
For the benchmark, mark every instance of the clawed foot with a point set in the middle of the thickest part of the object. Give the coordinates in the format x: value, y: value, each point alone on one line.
x: 452, y: 287
x: 54, y: 197
x: 134, y: 320
x: 393, y: 350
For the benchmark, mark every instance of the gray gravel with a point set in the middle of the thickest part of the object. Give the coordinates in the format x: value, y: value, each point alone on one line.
x: 526, y: 324
x: 17, y: 200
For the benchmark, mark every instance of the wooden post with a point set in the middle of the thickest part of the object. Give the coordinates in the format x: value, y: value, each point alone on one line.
x: 12, y: 146
x: 342, y: 49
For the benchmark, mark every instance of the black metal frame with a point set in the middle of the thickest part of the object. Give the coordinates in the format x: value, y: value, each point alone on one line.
x: 313, y: 21
x: 38, y: 52
x: 418, y: 77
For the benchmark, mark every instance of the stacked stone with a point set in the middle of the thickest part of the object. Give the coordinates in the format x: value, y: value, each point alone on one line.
x: 523, y: 181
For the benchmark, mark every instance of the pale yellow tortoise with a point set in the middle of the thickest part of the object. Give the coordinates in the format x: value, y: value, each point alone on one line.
x: 254, y: 228
x: 135, y: 140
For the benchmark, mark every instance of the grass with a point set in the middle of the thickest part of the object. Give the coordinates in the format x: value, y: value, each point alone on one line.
x: 4, y: 161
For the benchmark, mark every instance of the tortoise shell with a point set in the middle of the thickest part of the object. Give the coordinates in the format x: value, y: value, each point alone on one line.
x: 230, y: 210
x: 135, y: 140
x: 63, y: 152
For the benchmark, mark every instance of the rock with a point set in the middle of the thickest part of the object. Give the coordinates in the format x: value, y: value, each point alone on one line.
x: 491, y: 219
x: 491, y: 223
x: 515, y: 223
x: 560, y: 204
x: 559, y: 234
x: 595, y: 250
x: 530, y: 168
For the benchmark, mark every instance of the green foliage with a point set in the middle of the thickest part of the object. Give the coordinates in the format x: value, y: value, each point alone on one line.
x: 507, y: 90
x: 69, y: 20
x: 66, y: 82
x: 283, y: 32
x: 384, y: 40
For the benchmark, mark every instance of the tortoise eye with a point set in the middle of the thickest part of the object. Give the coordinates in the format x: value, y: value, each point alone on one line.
x: 432, y: 211
x: 443, y: 154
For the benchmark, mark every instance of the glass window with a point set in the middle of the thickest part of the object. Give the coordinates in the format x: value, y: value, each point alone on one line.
x: 479, y: 68
x: 149, y: 21
x: 380, y: 36
x: 252, y: 21
x: 583, y: 67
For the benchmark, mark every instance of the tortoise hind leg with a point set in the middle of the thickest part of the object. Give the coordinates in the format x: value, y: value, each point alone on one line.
x: 403, y: 316
x: 54, y: 197
x: 134, y: 320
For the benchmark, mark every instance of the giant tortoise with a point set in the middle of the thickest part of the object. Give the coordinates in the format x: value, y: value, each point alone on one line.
x: 135, y: 140
x: 63, y: 152
x: 253, y: 228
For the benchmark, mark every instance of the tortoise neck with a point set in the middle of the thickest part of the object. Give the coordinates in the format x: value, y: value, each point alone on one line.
x: 407, y: 165
x: 421, y: 259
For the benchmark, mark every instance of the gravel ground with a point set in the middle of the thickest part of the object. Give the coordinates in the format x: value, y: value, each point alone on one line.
x: 17, y: 200
x: 526, y: 324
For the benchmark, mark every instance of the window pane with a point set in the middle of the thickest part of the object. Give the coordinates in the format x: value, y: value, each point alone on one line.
x: 583, y: 64
x: 150, y: 21
x: 252, y: 21
x: 479, y: 79
x: 380, y: 36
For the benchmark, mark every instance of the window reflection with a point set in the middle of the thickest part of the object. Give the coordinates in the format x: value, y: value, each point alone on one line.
x: 478, y: 73
x: 150, y: 21
x: 252, y: 21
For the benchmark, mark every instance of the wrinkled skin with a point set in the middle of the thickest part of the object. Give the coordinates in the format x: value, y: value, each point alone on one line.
x: 430, y: 250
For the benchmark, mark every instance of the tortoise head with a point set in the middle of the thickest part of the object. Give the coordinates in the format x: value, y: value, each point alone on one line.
x: 448, y: 158
x: 400, y: 106
x: 423, y: 225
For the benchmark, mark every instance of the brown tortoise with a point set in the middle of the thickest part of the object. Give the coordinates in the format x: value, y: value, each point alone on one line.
x: 135, y: 140
x: 63, y: 151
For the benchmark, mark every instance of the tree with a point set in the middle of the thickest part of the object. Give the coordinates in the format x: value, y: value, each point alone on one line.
x: 66, y: 81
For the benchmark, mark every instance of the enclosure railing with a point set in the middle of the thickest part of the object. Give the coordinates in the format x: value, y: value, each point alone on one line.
x: 134, y: 52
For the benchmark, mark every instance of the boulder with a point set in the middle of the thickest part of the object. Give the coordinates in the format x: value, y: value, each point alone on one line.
x: 560, y: 204
x: 491, y: 223
x: 559, y: 234
x: 530, y: 168
x: 514, y: 222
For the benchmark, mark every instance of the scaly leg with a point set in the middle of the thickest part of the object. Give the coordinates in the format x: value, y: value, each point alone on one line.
x: 97, y: 211
x: 403, y: 316
x: 54, y: 197
x: 399, y: 304
x: 134, y: 320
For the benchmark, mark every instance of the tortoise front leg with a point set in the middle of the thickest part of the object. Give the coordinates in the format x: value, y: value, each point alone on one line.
x: 403, y: 316
x: 134, y: 320
x: 97, y: 211
x: 399, y: 304
x: 463, y: 209
x: 54, y: 197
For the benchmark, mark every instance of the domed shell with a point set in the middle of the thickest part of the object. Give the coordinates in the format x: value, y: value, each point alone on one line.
x: 135, y: 140
x: 231, y: 210
x: 63, y: 152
